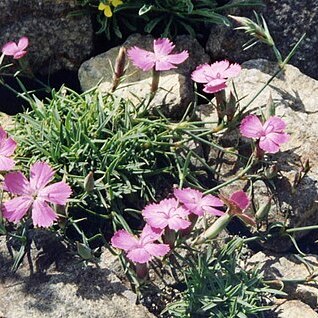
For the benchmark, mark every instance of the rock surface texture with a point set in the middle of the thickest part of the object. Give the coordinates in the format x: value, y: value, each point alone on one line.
x: 295, y: 96
x: 60, y: 287
x: 287, y: 20
x: 175, y: 86
x: 294, y: 309
x: 57, y: 39
x: 290, y: 267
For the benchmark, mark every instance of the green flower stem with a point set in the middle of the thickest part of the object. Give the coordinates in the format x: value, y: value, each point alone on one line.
x: 155, y: 82
x: 288, y: 231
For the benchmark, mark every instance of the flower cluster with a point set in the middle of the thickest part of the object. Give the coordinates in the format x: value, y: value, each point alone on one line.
x: 33, y: 194
x: 173, y: 215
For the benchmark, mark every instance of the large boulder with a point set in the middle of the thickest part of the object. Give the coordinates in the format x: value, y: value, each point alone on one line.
x: 58, y: 40
x: 287, y: 20
x: 175, y: 87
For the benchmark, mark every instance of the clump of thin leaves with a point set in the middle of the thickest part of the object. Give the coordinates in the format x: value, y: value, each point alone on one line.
x: 218, y: 286
x: 115, y: 157
x: 164, y: 17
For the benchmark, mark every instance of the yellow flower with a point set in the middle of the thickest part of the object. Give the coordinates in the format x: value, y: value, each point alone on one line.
x: 107, y: 7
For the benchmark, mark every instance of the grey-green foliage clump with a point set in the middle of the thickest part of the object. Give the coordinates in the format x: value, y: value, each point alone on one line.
x: 115, y: 156
x: 218, y: 286
x: 166, y: 18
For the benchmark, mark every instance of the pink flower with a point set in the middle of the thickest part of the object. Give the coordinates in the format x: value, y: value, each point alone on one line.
x: 166, y: 213
x: 16, y: 50
x: 7, y: 147
x: 34, y: 193
x: 160, y: 59
x: 214, y: 76
x: 196, y: 203
x: 140, y: 250
x: 237, y: 204
x: 270, y: 134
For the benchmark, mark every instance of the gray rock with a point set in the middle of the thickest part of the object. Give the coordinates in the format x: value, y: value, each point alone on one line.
x: 287, y: 20
x: 61, y: 287
x: 175, y: 87
x: 290, y: 267
x: 294, y: 309
x: 295, y: 96
x: 57, y: 39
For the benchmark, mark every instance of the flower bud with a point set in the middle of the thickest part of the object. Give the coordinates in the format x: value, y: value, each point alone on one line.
x: 89, y: 182
x: 230, y: 107
x: 257, y: 30
x: 215, y: 229
x: 270, y: 107
x: 84, y: 251
x: 263, y: 210
x: 119, y: 69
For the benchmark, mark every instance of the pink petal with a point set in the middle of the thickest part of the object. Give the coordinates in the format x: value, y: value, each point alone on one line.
x: 188, y: 195
x: 241, y: 199
x: 178, y: 58
x: 214, y: 89
x: 150, y: 234
x: 268, y: 144
x: 23, y: 43
x: 142, y: 59
x: 157, y: 221
x: 191, y: 199
x: 232, y: 71
x: 139, y: 255
x: 279, y: 138
x: 42, y: 214
x: 16, y: 183
x: 176, y: 223
x: 6, y: 164
x: 10, y: 48
x: 19, y: 54
x: 155, y: 215
x: 3, y: 134
x: 199, y: 74
x: 211, y: 200
x: 124, y: 240
x: 57, y: 193
x: 7, y: 147
x: 218, y: 67
x: 40, y: 175
x: 213, y: 211
x: 271, y: 142
x: 247, y: 219
x: 15, y: 209
x: 164, y: 66
x: 162, y: 47
x: 251, y: 127
x: 274, y: 124
x: 157, y: 249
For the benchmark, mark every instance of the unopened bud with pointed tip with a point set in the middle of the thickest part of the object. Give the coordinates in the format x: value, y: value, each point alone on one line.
x: 89, y: 182
x: 230, y: 107
x: 119, y: 69
x: 270, y: 107
x: 84, y: 251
